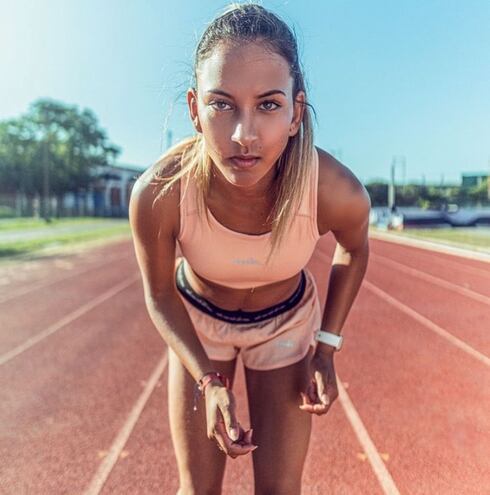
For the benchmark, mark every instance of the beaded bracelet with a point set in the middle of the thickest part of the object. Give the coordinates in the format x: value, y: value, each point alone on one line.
x: 205, y: 380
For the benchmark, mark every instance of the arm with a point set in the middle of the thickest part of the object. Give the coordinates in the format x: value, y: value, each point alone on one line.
x: 154, y: 227
x: 343, y: 207
x: 350, y: 228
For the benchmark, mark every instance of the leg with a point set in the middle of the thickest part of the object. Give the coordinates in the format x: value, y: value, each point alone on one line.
x: 281, y: 429
x: 200, y: 463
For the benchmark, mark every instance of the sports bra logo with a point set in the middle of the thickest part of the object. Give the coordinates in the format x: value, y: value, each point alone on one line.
x: 249, y: 261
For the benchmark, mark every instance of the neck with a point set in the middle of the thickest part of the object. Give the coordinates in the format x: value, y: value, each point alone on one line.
x: 259, y: 192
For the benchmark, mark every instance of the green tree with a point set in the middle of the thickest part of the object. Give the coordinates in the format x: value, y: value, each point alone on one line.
x: 378, y: 192
x: 53, y: 147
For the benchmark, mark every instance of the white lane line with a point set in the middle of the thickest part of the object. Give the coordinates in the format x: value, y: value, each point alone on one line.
x: 428, y: 324
x: 42, y: 285
x: 379, y: 468
x: 119, y: 442
x: 433, y: 246
x: 4, y: 358
x: 432, y: 279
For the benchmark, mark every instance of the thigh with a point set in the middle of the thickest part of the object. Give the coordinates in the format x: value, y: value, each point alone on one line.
x: 280, y: 428
x: 200, y: 462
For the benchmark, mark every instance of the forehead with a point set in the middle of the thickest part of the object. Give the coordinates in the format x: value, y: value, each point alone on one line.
x: 247, y: 67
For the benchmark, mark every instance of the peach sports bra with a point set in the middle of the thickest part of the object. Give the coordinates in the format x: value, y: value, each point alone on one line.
x: 238, y: 260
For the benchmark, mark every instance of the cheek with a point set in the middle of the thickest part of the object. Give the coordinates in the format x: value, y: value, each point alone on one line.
x: 213, y: 123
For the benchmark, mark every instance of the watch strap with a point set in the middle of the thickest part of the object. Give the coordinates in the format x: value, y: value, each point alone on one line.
x: 329, y: 338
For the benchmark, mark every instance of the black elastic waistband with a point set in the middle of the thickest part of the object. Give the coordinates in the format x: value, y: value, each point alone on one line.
x: 236, y: 316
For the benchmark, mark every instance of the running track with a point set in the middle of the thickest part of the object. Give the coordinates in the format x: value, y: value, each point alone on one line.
x: 83, y: 381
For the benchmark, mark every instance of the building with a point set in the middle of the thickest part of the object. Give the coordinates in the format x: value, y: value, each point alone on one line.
x: 474, y: 179
x: 112, y: 189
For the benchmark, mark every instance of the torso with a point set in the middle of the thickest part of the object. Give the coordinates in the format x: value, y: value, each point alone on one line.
x: 254, y: 224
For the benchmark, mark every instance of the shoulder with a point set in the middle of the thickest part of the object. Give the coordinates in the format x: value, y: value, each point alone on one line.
x: 343, y: 201
x: 149, y: 208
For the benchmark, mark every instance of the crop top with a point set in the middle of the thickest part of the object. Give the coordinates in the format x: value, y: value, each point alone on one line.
x: 238, y: 260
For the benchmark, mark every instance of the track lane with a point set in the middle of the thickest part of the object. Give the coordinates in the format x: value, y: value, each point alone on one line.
x: 335, y: 460
x: 62, y: 401
x: 424, y: 402
x: 20, y: 275
x: 27, y: 316
x: 461, y: 316
x: 434, y: 262
x: 476, y: 289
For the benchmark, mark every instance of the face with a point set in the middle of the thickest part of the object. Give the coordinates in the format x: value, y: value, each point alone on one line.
x: 244, y: 106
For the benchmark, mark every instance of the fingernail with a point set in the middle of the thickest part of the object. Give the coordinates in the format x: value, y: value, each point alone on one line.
x: 256, y: 447
x: 325, y: 399
x: 234, y: 434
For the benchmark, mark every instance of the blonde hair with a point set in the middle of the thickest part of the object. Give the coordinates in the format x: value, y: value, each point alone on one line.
x: 251, y: 22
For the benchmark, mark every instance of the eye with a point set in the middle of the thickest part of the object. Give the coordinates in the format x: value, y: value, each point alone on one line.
x: 269, y: 102
x: 218, y: 104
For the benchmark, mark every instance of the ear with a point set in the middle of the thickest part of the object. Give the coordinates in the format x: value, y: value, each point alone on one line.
x: 299, y: 106
x: 192, y: 104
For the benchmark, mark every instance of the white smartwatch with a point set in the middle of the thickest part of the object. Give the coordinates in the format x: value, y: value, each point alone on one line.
x: 330, y: 339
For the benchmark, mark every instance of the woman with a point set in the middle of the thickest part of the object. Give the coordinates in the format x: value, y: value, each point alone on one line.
x: 246, y: 200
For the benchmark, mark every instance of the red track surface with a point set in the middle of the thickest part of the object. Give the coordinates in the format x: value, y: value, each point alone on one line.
x: 421, y: 398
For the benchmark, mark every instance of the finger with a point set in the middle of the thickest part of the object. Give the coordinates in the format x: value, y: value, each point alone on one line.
x: 241, y: 434
x: 232, y: 425
x: 307, y: 404
x: 221, y: 428
x: 322, y: 389
x: 306, y: 398
x: 312, y: 391
x: 247, y: 439
x: 228, y: 445
x: 318, y: 409
x: 220, y: 443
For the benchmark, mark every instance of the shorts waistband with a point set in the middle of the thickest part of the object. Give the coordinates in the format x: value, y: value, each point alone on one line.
x: 238, y: 316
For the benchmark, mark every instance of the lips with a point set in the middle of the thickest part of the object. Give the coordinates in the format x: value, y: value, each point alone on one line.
x: 244, y: 162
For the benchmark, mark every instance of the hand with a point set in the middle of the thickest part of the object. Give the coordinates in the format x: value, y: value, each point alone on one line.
x: 322, y: 389
x: 220, y: 416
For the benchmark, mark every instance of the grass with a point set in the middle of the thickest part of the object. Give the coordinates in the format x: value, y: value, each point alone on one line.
x: 54, y: 241
x: 39, y: 223
x: 471, y: 237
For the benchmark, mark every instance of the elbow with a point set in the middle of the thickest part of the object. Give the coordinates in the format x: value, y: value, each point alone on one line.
x: 157, y: 300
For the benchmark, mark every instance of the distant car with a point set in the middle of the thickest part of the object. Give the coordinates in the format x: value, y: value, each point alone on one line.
x: 396, y: 221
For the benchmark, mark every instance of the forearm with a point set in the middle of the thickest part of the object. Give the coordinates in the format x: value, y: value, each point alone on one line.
x: 345, y: 279
x: 172, y: 321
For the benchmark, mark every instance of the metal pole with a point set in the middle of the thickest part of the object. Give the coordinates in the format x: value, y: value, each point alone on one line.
x: 46, y: 207
x: 391, y: 186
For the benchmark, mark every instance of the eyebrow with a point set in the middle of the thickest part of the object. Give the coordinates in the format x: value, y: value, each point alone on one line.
x: 267, y: 93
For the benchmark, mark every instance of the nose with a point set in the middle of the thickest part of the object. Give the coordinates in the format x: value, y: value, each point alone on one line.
x: 245, y: 133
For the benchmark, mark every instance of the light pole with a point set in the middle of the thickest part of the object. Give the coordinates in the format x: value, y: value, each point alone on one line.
x: 391, y: 187
x: 46, y: 205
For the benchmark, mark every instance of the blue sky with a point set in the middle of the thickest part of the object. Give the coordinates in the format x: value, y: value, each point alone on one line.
x: 387, y: 78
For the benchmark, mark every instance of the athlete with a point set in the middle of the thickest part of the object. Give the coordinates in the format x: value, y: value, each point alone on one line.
x: 245, y: 200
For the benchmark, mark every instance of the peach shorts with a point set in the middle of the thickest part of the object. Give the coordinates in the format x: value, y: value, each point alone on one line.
x: 267, y: 342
